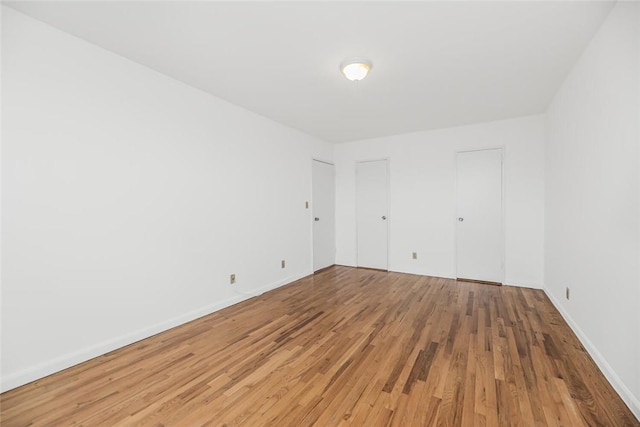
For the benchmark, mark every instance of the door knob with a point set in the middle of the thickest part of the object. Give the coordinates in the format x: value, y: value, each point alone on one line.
x: 316, y: 219
x: 384, y: 217
x: 460, y: 219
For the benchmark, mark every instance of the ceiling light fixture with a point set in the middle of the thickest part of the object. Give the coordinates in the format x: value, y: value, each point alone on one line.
x: 355, y: 68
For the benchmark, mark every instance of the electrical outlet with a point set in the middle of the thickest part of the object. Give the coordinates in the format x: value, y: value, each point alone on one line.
x: 282, y: 264
x: 306, y: 205
x: 415, y: 255
x: 568, y: 294
x: 232, y: 279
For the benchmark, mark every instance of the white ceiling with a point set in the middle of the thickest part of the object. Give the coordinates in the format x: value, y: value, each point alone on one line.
x: 435, y: 64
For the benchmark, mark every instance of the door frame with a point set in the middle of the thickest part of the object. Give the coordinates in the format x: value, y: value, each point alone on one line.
x: 389, y: 215
x: 503, y: 239
x: 311, y: 204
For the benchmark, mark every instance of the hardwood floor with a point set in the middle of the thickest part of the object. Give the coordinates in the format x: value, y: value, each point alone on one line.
x: 344, y: 347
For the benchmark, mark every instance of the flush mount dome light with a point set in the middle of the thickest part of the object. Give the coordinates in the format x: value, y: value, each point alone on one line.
x: 355, y: 68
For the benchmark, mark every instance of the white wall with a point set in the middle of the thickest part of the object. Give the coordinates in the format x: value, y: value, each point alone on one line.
x: 129, y: 198
x: 422, y: 197
x: 592, y: 193
x: 1, y: 221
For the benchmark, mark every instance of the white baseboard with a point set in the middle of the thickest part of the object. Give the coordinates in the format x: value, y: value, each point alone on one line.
x: 632, y: 401
x: 262, y: 289
x: 56, y: 365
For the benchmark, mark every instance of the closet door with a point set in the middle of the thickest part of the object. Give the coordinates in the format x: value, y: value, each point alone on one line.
x: 479, y: 222
x: 371, y: 207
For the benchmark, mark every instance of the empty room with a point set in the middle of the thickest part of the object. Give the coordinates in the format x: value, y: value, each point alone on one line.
x: 320, y: 213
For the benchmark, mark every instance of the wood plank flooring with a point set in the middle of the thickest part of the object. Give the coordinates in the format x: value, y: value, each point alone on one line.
x: 344, y: 347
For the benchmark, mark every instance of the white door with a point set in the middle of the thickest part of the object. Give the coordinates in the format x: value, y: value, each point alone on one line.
x: 371, y: 207
x: 323, y: 210
x: 479, y: 233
